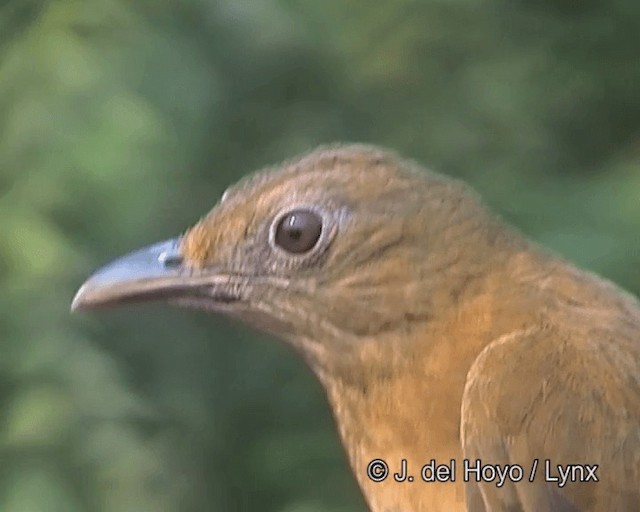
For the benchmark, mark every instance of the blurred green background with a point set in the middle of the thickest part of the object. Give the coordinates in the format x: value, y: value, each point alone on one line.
x: 121, y: 122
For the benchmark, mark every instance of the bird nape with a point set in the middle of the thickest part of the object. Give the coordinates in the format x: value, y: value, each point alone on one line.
x: 466, y: 367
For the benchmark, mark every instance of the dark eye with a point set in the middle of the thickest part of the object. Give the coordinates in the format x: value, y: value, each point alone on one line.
x: 298, y: 231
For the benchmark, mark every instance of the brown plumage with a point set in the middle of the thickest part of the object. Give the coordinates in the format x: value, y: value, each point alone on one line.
x: 437, y: 331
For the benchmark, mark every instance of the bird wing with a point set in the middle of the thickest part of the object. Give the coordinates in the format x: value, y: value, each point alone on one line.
x: 568, y: 400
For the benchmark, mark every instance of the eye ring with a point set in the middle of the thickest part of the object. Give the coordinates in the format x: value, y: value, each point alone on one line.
x: 298, y: 231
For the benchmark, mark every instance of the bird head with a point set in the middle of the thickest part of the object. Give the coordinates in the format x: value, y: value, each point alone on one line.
x: 345, y: 242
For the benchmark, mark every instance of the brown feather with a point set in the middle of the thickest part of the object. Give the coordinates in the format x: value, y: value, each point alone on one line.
x: 437, y: 331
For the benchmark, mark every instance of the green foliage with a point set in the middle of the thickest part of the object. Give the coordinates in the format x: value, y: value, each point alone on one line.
x: 121, y: 122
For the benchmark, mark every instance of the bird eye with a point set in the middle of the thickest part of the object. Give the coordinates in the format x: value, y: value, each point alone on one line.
x: 298, y: 231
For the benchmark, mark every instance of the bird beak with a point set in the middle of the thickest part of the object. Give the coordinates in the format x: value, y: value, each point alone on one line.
x: 153, y: 273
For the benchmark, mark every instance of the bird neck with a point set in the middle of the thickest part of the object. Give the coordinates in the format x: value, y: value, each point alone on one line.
x: 397, y: 396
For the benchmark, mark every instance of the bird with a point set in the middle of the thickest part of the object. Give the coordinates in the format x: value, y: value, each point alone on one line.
x: 467, y: 367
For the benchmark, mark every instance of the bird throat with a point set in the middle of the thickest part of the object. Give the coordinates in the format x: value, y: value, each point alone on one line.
x: 400, y: 414
x: 396, y: 398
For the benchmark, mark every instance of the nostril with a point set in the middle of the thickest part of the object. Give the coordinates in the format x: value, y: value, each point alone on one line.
x: 169, y: 259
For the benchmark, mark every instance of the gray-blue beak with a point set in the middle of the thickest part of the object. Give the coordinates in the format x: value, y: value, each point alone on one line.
x: 155, y: 272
